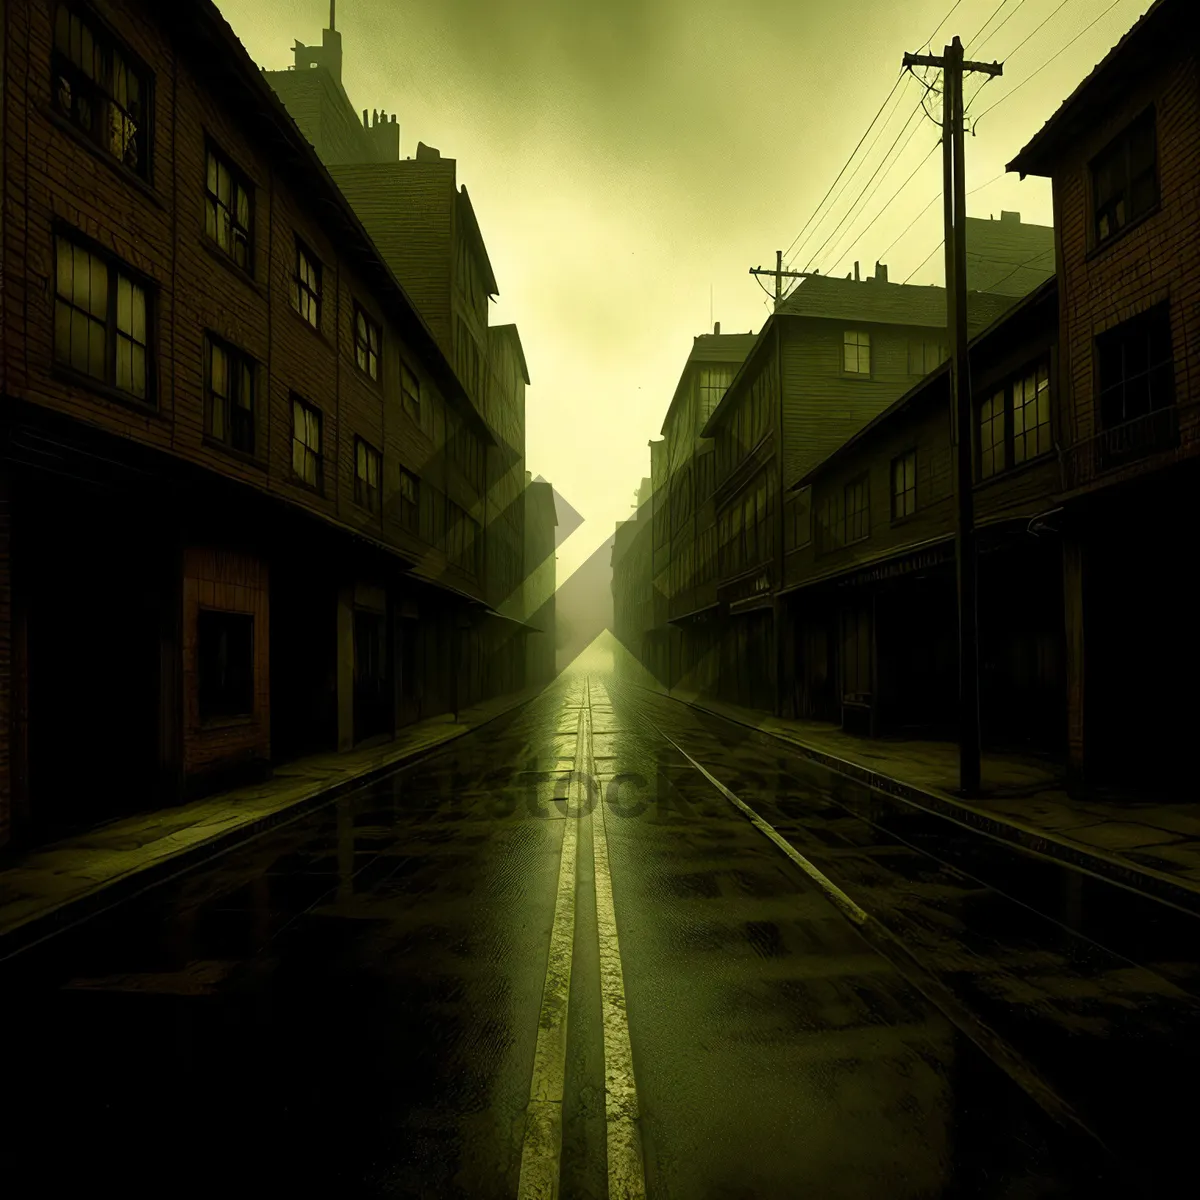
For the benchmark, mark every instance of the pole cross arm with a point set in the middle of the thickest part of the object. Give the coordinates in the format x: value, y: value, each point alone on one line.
x: 785, y: 274
x: 933, y: 60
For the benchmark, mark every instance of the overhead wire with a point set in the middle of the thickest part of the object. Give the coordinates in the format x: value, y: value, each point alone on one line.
x: 971, y: 40
x: 979, y: 49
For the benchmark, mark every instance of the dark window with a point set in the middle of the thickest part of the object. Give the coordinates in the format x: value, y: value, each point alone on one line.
x: 410, y: 501
x: 1125, y: 178
x: 1014, y: 421
x: 99, y: 89
x: 101, y: 319
x: 225, y: 663
x: 229, y: 396
x: 306, y: 285
x: 714, y: 382
x: 1135, y: 374
x: 366, y: 343
x: 858, y: 523
x: 925, y: 354
x: 904, y: 485
x: 367, y: 489
x: 410, y: 393
x: 228, y: 211
x: 306, y: 444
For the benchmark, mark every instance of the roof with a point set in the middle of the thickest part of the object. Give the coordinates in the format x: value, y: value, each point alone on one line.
x: 1105, y: 85
x: 467, y: 212
x: 217, y: 53
x: 1008, y: 256
x: 510, y: 332
x: 710, y: 348
x: 867, y: 302
x: 924, y: 388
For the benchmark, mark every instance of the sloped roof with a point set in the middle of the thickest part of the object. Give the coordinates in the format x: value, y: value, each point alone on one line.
x: 467, y: 212
x: 510, y: 332
x: 709, y: 348
x: 1106, y: 84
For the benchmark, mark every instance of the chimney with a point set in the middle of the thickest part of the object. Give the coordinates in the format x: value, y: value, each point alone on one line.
x: 1013, y: 218
x: 424, y: 152
x: 856, y: 272
x: 383, y: 136
x: 881, y: 272
x: 717, y: 327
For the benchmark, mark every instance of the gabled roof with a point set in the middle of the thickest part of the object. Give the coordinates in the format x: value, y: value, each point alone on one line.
x: 217, y: 54
x: 1106, y: 84
x: 710, y: 348
x: 938, y: 379
x: 510, y: 333
x: 475, y: 237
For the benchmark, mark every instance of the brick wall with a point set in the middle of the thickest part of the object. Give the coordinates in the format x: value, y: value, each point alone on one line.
x: 227, y: 582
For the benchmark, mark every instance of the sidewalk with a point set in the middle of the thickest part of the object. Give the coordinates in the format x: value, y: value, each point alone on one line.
x: 1152, y: 845
x: 60, y: 884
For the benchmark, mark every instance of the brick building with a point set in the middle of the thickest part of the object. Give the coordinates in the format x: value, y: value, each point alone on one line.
x: 232, y: 530
x: 1122, y: 154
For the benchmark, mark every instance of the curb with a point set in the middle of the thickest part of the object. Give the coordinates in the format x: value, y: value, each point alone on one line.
x: 109, y: 894
x: 1144, y: 880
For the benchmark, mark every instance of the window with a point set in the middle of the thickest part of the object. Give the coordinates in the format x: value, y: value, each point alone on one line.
x: 306, y: 286
x: 713, y: 384
x: 306, y: 444
x: 367, y: 337
x: 1014, y: 421
x: 101, y: 320
x: 1125, y: 178
x: 924, y: 355
x: 904, y: 485
x: 410, y: 503
x: 858, y: 523
x: 831, y: 531
x: 799, y: 524
x: 227, y: 210
x: 98, y: 88
x: 1135, y: 374
x: 1031, y: 415
x: 366, y: 476
x: 856, y: 352
x: 410, y: 393
x: 225, y: 664
x: 229, y: 396
x: 991, y: 436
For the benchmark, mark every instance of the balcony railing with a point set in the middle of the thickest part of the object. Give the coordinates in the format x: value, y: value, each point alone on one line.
x: 1144, y: 437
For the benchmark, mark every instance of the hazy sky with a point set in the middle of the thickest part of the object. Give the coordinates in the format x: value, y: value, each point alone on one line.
x: 625, y: 157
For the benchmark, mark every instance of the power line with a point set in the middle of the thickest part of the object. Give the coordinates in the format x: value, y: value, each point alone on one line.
x: 850, y: 179
x: 1026, y: 38
x: 979, y: 48
x: 853, y: 152
x: 926, y: 259
x: 1048, y: 61
x: 929, y: 40
x: 969, y: 42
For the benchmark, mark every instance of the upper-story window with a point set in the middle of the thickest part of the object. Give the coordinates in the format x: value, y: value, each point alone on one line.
x: 307, y: 464
x: 410, y: 501
x: 1135, y: 383
x: 1125, y: 178
x: 1014, y: 421
x: 858, y: 522
x: 228, y: 209
x: 367, y: 336
x: 856, y: 352
x: 100, y: 88
x: 924, y: 354
x: 229, y: 395
x: 410, y: 393
x: 306, y: 285
x: 714, y: 382
x: 904, y: 485
x: 367, y: 472
x: 101, y: 319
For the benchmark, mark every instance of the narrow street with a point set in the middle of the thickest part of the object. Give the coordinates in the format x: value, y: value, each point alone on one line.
x: 368, y: 1001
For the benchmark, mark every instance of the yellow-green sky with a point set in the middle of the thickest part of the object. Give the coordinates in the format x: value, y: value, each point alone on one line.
x: 625, y: 157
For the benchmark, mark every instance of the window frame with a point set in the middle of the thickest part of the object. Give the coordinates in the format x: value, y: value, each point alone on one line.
x: 863, y: 513
x: 108, y: 43
x: 907, y: 496
x: 1120, y: 145
x: 858, y: 346
x: 1121, y: 333
x: 319, y: 453
x: 237, y: 357
x: 410, y: 505
x: 212, y: 202
x: 410, y: 402
x: 1004, y: 390
x: 301, y: 289
x: 368, y: 496
x: 364, y: 349
x: 116, y: 269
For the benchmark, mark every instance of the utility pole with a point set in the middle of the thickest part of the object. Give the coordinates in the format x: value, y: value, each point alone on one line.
x: 954, y: 201
x: 780, y: 275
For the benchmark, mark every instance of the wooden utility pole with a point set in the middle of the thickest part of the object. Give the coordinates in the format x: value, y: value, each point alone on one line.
x: 954, y: 201
x: 780, y: 275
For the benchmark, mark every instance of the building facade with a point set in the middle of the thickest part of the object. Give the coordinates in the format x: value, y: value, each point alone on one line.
x: 234, y: 530
x: 1121, y: 153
